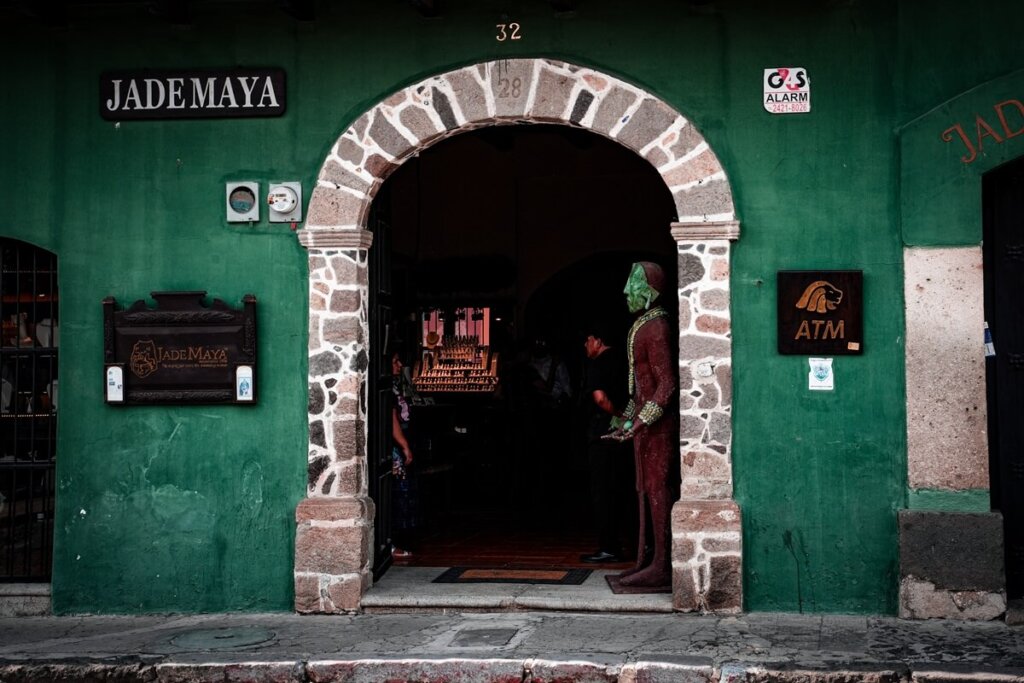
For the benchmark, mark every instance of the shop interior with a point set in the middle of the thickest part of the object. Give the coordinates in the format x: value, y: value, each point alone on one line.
x: 504, y: 244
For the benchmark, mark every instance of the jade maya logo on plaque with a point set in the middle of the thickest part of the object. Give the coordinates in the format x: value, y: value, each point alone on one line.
x: 147, y: 357
x: 820, y: 312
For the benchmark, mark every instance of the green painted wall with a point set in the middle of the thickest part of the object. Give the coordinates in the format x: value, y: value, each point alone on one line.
x: 191, y: 509
x: 966, y: 61
x: 959, y: 141
x: 971, y: 500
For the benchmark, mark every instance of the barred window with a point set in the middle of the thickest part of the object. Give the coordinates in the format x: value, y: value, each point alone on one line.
x: 28, y: 409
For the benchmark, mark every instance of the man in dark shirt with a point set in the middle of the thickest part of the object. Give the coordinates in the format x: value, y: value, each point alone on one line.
x: 610, y: 462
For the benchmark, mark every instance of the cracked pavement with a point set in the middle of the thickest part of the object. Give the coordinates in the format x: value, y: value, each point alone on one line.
x: 425, y: 645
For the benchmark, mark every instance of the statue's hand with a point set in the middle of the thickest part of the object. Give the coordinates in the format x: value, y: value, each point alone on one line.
x: 623, y: 431
x: 634, y: 431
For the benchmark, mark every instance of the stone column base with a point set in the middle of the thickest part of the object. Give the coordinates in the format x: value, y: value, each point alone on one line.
x: 24, y: 599
x: 707, y: 556
x: 333, y: 538
x: 951, y: 565
x: 924, y: 600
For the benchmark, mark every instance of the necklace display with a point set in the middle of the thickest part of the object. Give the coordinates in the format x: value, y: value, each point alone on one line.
x: 653, y: 314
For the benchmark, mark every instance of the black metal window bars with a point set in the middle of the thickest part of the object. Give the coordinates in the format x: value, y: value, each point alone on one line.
x: 28, y: 410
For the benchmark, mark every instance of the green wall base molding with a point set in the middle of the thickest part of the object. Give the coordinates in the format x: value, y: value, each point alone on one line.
x: 968, y: 500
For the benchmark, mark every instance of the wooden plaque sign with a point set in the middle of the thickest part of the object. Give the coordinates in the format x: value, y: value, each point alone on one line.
x: 180, y: 352
x: 820, y: 312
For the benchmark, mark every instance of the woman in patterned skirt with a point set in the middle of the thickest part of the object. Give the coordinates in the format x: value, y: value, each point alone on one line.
x: 405, y: 516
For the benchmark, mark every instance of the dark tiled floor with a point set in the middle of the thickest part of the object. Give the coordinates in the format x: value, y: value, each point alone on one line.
x: 508, y: 506
x: 503, y: 540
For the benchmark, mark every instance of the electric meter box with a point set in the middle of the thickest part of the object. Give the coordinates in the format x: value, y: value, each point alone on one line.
x: 285, y: 202
x: 242, y: 204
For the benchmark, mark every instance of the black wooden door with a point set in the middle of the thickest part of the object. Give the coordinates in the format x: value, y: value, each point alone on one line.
x: 1003, y: 247
x: 381, y: 398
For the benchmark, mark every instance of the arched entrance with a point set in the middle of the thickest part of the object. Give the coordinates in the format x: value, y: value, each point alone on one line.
x: 513, y: 235
x: 335, y: 521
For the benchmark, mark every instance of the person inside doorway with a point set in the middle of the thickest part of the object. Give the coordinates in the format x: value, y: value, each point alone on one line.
x: 610, y: 462
x: 551, y: 383
x: 404, y: 483
x: 548, y: 426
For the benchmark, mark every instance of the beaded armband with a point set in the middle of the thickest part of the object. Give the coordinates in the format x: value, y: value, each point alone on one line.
x: 630, y: 412
x: 650, y: 413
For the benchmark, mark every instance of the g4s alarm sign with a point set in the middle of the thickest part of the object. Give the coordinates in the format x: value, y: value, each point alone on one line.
x: 787, y: 90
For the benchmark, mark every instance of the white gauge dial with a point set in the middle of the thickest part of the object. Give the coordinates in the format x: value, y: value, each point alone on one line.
x: 282, y: 199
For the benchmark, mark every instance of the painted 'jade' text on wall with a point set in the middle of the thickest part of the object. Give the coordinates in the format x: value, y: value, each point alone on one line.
x: 1009, y: 114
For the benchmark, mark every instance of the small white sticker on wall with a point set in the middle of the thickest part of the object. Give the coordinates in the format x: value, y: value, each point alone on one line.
x: 115, y: 385
x: 990, y: 348
x: 787, y: 90
x: 820, y: 378
x: 243, y: 383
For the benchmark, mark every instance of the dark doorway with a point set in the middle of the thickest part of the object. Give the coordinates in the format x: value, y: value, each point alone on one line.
x: 1003, y: 249
x: 529, y: 231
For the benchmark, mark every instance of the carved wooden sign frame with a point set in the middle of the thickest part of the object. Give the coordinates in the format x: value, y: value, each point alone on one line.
x: 180, y: 352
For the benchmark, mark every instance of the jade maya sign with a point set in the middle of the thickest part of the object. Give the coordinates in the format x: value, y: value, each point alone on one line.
x: 144, y: 94
x: 181, y: 351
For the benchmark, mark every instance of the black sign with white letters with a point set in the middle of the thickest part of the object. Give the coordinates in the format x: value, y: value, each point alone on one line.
x: 191, y: 94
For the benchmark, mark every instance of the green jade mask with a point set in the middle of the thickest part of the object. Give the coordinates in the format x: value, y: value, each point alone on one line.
x: 639, y: 294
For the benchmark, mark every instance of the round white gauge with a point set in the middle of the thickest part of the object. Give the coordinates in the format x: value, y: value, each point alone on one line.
x: 282, y: 199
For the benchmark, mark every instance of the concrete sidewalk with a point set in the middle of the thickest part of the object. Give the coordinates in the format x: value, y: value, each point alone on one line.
x: 442, y: 645
x: 417, y: 630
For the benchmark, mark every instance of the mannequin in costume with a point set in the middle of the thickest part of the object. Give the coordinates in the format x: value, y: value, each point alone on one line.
x: 653, y: 429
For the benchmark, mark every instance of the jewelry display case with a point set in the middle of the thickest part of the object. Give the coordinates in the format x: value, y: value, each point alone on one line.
x: 457, y: 364
x: 461, y: 361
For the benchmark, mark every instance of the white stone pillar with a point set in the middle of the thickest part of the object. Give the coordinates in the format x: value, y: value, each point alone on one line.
x: 334, y: 533
x: 707, y: 551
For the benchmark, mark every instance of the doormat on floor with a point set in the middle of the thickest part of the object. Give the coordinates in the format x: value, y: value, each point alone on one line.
x: 557, y: 577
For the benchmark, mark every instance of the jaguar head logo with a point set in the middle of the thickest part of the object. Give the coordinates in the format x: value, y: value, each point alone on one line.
x: 819, y: 297
x: 143, y: 360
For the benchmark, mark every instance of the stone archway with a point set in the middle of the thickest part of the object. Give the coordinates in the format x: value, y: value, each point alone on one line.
x: 335, y: 522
